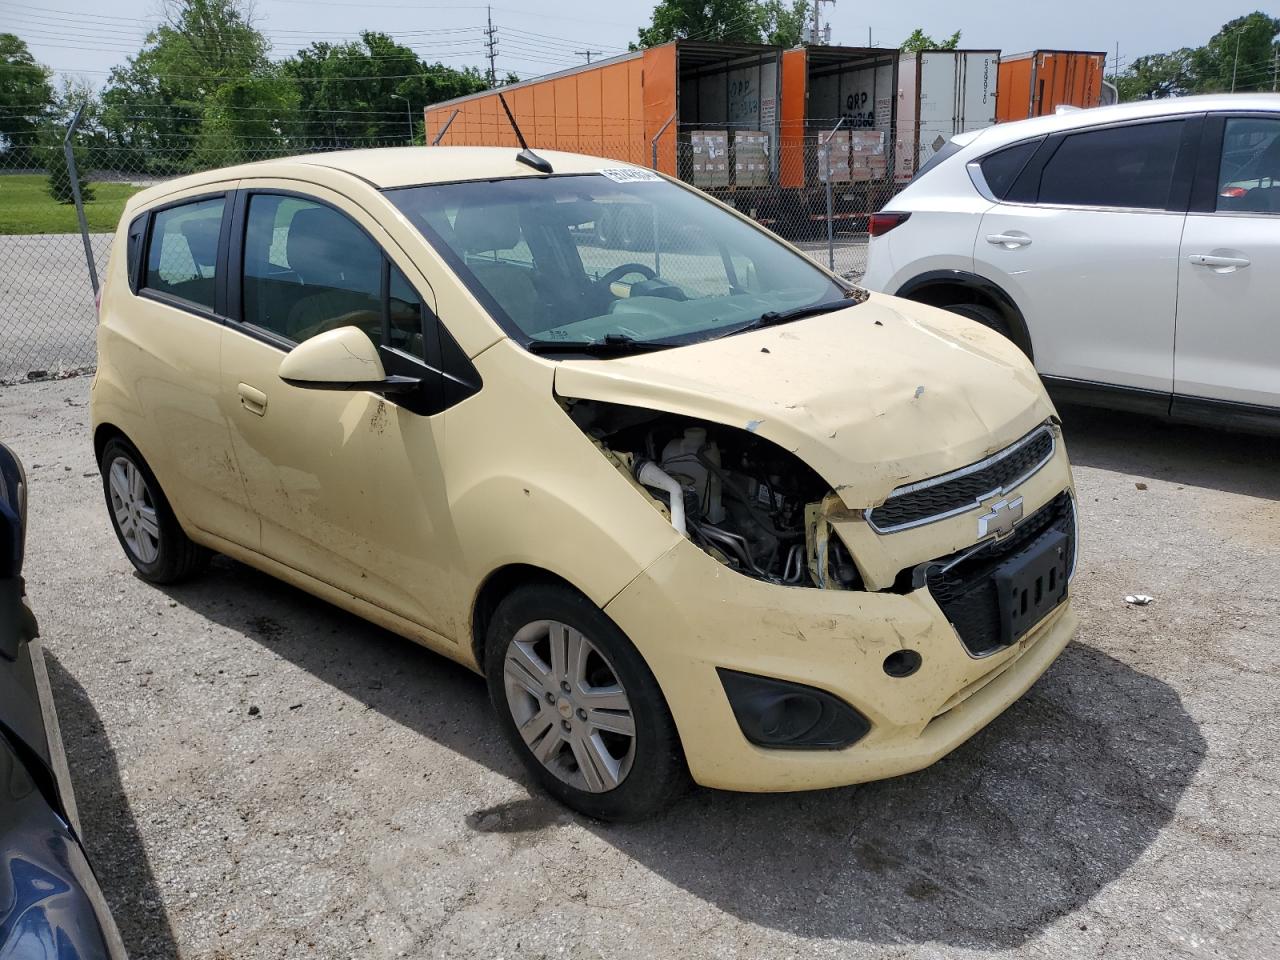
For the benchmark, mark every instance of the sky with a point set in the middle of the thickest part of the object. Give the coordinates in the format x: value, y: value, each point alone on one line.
x: 87, y: 38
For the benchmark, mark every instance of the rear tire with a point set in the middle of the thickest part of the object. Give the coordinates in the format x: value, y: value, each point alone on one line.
x: 580, y: 706
x: 145, y: 525
x: 984, y: 315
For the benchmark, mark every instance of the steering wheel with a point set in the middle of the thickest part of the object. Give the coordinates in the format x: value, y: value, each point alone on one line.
x: 617, y: 273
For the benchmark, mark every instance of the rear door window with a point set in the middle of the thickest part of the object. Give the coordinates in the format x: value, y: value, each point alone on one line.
x: 182, y: 255
x: 1249, y: 175
x: 1129, y: 167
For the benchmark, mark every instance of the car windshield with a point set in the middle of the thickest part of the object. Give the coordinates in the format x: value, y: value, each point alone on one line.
x: 615, y: 258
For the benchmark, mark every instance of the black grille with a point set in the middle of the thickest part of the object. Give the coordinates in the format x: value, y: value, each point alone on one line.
x: 967, y: 489
x: 967, y: 592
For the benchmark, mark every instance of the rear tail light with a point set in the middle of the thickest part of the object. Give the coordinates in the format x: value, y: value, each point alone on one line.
x: 1233, y: 193
x: 882, y: 223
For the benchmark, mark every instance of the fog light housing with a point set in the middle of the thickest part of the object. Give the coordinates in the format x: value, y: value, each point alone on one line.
x: 785, y: 715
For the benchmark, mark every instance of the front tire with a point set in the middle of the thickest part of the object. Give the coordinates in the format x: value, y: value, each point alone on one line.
x: 145, y: 525
x: 580, y: 707
x: 984, y: 315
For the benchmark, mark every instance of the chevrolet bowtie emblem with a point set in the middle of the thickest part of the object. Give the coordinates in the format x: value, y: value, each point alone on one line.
x: 1001, y: 520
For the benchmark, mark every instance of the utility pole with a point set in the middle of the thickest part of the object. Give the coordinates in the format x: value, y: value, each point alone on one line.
x: 1236, y: 63
x: 408, y: 113
x: 491, y: 46
x: 815, y: 29
x: 1275, y: 69
x: 588, y: 53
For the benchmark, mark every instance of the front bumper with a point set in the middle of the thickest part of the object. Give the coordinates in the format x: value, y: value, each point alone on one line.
x: 688, y: 615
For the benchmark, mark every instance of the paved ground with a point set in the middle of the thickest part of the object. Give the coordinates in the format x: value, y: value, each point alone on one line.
x: 47, y: 317
x: 1126, y: 807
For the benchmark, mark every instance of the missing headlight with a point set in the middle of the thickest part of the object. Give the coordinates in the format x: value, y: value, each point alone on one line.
x: 742, y: 498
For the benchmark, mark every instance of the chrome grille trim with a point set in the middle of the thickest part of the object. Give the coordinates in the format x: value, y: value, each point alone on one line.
x: 1045, y: 429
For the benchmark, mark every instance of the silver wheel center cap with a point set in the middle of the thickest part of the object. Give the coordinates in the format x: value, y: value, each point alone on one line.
x: 565, y: 707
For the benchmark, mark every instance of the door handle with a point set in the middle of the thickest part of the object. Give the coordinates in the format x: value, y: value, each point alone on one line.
x: 1009, y: 240
x: 252, y: 399
x: 1219, y: 264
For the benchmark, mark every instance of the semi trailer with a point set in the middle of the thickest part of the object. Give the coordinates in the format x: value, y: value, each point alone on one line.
x: 783, y: 135
x: 1037, y: 83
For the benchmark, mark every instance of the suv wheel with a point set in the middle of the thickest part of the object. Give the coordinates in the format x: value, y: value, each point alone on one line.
x: 145, y: 525
x: 984, y: 315
x: 580, y: 706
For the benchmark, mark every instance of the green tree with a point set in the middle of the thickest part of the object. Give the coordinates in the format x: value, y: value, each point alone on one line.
x: 349, y: 93
x: 717, y: 21
x: 202, y: 89
x: 1157, y: 76
x: 25, y: 98
x: 1240, y: 56
x: 53, y: 158
x: 919, y: 40
x: 785, y: 26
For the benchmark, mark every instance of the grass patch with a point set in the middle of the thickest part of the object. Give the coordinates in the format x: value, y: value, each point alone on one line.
x: 26, y: 207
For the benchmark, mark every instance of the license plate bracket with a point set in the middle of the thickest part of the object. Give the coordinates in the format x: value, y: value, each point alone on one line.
x: 1031, y: 584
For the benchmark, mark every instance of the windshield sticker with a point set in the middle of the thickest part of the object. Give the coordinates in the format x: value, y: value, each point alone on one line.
x: 629, y: 174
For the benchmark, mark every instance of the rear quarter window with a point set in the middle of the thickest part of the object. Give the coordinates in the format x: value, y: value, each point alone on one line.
x: 1001, y: 169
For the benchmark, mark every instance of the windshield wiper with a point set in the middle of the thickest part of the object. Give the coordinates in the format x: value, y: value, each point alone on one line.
x: 613, y: 345
x: 774, y: 317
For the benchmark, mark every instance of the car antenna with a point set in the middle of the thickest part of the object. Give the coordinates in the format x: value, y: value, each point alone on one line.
x: 525, y: 156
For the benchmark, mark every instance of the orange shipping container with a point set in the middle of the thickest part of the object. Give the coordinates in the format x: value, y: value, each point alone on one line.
x: 1035, y: 84
x: 627, y: 107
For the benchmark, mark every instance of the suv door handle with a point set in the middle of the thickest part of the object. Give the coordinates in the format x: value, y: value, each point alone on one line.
x: 1221, y: 264
x: 1009, y: 240
x: 252, y: 399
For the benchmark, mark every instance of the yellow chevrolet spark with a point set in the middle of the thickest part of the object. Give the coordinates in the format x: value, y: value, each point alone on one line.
x: 692, y: 504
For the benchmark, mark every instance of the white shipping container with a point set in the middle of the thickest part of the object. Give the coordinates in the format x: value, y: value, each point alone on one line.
x: 941, y: 93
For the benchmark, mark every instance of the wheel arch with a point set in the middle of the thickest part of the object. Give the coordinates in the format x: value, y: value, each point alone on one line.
x: 104, y: 433
x: 499, y: 585
x: 941, y: 288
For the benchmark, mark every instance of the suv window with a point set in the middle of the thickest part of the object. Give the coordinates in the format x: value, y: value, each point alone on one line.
x: 1001, y: 169
x: 182, y: 255
x: 309, y: 269
x: 1249, y: 175
x: 1120, y: 167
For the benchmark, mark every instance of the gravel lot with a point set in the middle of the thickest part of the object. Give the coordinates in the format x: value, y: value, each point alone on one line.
x: 1126, y: 807
x: 47, y: 318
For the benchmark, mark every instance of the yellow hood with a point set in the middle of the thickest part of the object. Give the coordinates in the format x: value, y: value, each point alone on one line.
x: 879, y: 394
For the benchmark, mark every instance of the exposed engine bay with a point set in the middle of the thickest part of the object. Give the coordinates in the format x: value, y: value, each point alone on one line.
x: 744, y: 500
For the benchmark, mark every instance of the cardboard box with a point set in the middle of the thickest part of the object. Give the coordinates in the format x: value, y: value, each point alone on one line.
x: 833, y: 157
x: 750, y: 158
x: 710, y: 158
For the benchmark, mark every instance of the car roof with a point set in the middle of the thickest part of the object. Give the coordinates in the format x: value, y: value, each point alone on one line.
x: 385, y: 167
x: 1138, y: 110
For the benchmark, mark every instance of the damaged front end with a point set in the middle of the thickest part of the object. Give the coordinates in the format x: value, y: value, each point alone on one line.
x: 750, y: 504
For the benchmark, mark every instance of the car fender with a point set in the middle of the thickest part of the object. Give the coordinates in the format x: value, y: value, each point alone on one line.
x: 918, y: 286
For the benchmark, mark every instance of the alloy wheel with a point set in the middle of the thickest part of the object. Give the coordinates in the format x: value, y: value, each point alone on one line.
x: 134, y: 509
x: 569, y: 706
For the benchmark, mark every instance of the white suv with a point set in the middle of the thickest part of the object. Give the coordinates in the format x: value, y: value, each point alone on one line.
x: 1133, y: 251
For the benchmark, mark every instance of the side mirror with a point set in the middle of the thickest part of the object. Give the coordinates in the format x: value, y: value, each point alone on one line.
x: 341, y: 359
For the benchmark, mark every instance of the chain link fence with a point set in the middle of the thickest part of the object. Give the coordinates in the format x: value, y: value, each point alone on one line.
x: 815, y: 191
